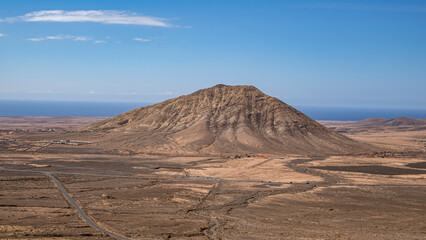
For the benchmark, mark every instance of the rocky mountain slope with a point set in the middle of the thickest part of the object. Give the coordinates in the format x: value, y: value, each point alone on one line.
x: 222, y: 119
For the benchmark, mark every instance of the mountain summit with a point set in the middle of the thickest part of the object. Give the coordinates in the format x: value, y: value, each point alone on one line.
x: 222, y: 119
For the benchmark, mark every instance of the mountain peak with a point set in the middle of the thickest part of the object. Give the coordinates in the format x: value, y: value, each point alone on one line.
x: 222, y: 119
x: 230, y: 89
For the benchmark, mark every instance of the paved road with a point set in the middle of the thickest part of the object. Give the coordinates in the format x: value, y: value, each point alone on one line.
x: 80, y: 211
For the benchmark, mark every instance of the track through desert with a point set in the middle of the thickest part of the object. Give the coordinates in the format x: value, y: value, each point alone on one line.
x: 80, y: 211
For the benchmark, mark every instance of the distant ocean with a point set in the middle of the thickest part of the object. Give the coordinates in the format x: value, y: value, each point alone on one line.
x: 110, y: 109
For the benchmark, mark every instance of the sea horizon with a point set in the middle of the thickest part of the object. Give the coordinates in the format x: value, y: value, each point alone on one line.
x: 18, y: 108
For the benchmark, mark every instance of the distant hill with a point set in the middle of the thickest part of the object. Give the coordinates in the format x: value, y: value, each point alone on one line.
x: 400, y: 121
x: 377, y: 124
x: 405, y: 121
x: 374, y: 121
x: 223, y: 119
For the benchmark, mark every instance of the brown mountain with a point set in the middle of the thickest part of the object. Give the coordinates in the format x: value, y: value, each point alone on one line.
x: 405, y: 121
x: 400, y: 121
x: 222, y: 119
x: 374, y: 121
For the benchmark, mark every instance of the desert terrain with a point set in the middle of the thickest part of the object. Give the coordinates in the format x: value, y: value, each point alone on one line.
x: 45, y: 124
x: 154, y: 120
x: 226, y: 162
x: 379, y: 195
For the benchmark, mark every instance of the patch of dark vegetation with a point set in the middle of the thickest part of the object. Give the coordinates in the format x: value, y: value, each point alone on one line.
x: 417, y: 165
x: 86, y: 235
x: 51, y: 235
x: 23, y: 179
x: 392, y: 154
x: 124, y: 122
x: 374, y: 169
x: 16, y: 158
x: 84, y: 226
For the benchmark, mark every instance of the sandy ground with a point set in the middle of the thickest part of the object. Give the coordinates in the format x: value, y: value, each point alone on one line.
x: 44, y: 123
x: 157, y: 196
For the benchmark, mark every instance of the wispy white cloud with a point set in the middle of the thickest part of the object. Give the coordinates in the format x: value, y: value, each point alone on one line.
x: 142, y: 39
x: 99, y: 16
x: 60, y: 37
x: 36, y: 39
x: 2, y: 35
x: 99, y: 41
x: 57, y: 37
x: 81, y: 38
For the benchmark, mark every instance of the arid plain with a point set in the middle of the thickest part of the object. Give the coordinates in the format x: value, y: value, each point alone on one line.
x: 380, y: 195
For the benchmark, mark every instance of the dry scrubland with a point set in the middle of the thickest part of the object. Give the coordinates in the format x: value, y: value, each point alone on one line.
x: 45, y: 123
x: 158, y: 196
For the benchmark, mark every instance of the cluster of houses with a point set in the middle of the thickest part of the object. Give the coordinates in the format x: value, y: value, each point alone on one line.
x: 19, y: 130
x: 6, y: 133
x: 67, y: 142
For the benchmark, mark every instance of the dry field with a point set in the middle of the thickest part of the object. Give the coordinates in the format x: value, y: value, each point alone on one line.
x: 160, y: 196
x: 43, y: 123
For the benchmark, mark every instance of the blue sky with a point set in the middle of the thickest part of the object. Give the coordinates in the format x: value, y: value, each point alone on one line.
x: 319, y: 53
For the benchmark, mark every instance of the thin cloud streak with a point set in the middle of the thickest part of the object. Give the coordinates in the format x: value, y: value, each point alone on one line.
x: 2, y: 35
x: 142, y: 39
x: 36, y: 39
x: 81, y: 38
x: 99, y: 16
x: 60, y: 37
